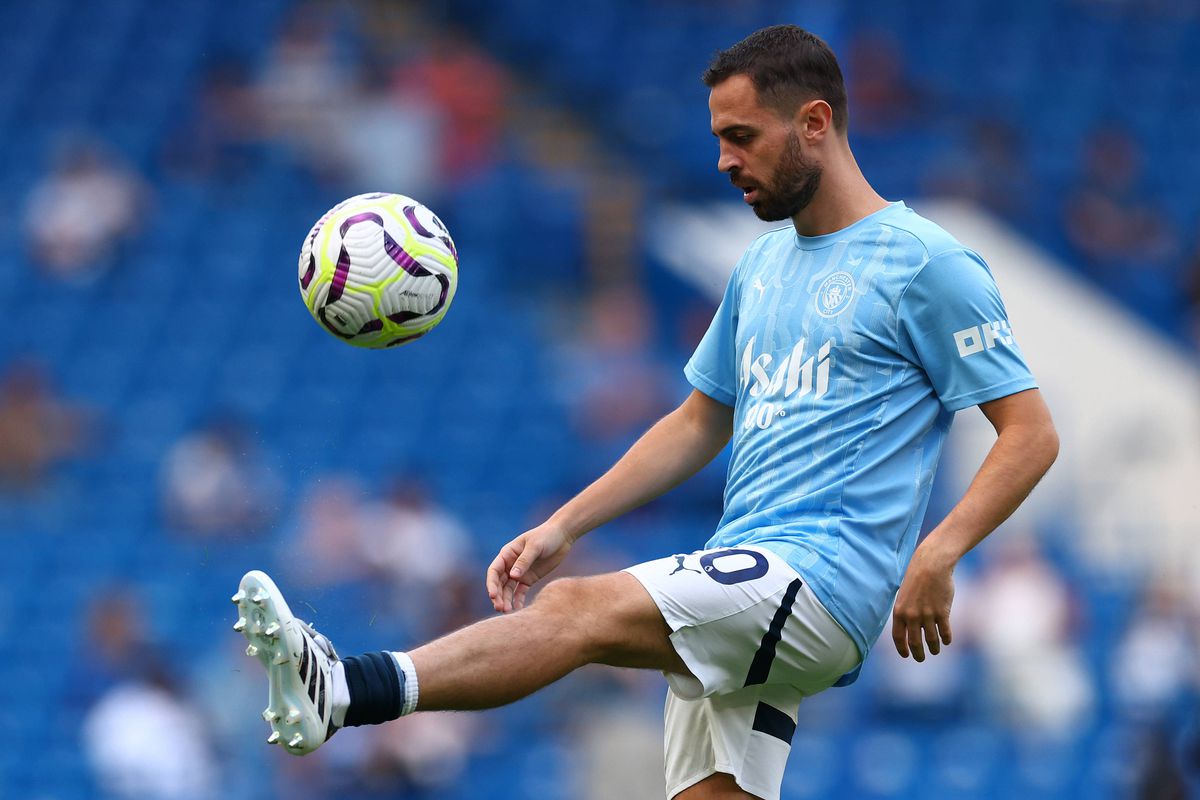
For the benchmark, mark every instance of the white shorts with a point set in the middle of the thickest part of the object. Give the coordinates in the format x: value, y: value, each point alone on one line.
x: 757, y: 641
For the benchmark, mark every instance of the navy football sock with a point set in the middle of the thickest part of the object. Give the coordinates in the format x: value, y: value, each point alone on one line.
x: 376, y: 689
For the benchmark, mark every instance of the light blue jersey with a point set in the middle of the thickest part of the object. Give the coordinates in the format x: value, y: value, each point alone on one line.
x: 845, y: 357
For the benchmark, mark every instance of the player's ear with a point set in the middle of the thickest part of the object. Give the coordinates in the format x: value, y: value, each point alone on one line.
x: 814, y: 120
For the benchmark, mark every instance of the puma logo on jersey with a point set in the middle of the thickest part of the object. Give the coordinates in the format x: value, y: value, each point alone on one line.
x: 758, y: 284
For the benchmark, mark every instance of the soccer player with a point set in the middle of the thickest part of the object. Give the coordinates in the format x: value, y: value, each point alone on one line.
x: 845, y: 343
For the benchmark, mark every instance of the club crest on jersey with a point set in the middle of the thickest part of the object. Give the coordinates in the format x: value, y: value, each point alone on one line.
x: 835, y: 294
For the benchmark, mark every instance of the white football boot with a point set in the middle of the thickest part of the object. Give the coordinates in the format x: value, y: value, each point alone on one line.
x: 299, y: 663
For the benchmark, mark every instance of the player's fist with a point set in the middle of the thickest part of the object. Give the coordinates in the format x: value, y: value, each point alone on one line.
x: 523, y: 562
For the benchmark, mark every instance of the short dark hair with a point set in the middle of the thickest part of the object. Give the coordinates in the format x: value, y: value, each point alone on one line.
x: 788, y: 66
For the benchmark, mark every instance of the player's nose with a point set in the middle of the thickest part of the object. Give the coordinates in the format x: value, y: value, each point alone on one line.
x: 727, y: 160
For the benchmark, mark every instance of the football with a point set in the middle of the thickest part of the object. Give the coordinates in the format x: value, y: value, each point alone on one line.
x: 378, y: 270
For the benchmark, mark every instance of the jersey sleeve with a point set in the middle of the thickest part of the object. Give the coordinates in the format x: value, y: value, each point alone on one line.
x: 956, y: 328
x: 713, y: 367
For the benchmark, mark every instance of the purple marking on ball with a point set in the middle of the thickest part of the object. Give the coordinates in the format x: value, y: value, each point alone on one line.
x: 308, y: 274
x: 403, y: 259
x: 366, y: 216
x: 402, y: 317
x: 370, y: 326
x: 343, y: 265
x: 404, y: 339
x: 339, y: 276
x: 410, y: 213
x: 330, y: 327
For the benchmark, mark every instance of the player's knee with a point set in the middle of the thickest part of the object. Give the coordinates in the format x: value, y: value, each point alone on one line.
x: 589, y: 617
x: 561, y: 596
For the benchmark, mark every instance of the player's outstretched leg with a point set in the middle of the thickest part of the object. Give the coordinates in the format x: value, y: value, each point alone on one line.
x: 606, y: 619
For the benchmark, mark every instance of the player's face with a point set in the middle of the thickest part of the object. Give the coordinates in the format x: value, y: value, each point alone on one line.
x: 761, y: 151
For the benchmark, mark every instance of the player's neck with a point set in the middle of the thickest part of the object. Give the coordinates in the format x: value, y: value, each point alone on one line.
x: 842, y: 199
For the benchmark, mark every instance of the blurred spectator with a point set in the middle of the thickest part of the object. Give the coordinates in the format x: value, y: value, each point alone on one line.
x: 302, y: 91
x: 1025, y: 623
x: 141, y: 738
x: 144, y: 741
x: 618, y: 388
x: 470, y: 88
x: 405, y: 522
x: 880, y: 96
x: 112, y: 650
x: 1160, y: 776
x: 991, y: 171
x: 423, y: 755
x: 389, y: 140
x: 216, y: 481
x: 221, y: 138
x: 37, y: 429
x: 1191, y: 284
x: 1151, y: 686
x: 328, y: 548
x: 78, y: 215
x: 1117, y: 226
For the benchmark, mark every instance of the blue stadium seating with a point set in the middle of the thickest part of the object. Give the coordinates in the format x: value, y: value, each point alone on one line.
x: 200, y: 316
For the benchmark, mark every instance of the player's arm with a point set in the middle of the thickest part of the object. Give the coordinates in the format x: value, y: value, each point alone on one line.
x: 674, y: 449
x: 1025, y: 447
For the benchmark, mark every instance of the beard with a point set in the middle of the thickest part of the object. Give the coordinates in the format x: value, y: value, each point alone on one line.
x: 792, y: 186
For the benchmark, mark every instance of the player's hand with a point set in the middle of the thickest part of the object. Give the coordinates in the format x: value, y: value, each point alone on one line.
x: 923, y: 605
x: 523, y: 562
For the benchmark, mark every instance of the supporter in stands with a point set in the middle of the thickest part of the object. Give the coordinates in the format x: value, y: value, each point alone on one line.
x: 992, y: 171
x: 113, y: 645
x: 883, y: 99
x: 1151, y: 688
x: 1026, y: 629
x: 1191, y: 283
x: 141, y: 738
x: 37, y: 429
x: 1118, y: 227
x: 216, y: 480
x: 222, y: 138
x: 145, y: 741
x: 392, y: 139
x: 78, y: 216
x: 470, y: 89
x: 326, y: 549
x: 303, y: 90
x: 616, y: 384
x: 421, y: 758
x: 422, y: 590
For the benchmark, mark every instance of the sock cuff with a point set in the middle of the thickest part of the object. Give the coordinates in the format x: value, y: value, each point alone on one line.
x: 375, y: 687
x: 408, y: 679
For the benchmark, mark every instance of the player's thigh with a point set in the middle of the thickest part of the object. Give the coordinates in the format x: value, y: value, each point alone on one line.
x: 617, y: 619
x: 718, y: 786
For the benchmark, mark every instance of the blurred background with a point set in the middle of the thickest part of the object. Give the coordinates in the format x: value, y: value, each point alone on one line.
x: 171, y: 417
